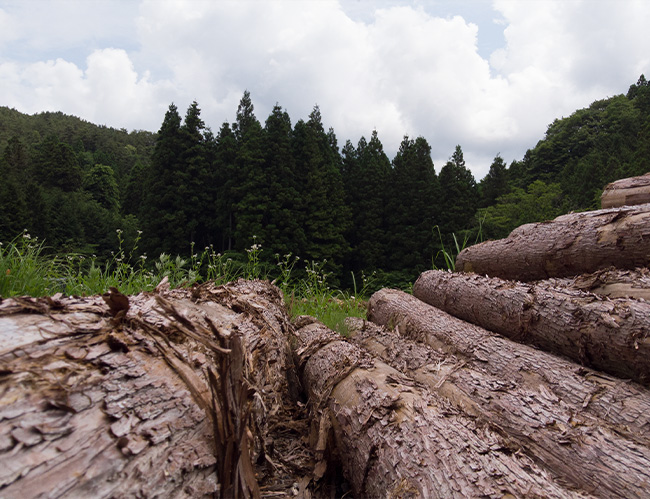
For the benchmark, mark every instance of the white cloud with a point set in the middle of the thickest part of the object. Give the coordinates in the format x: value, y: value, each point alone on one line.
x: 107, y: 92
x: 400, y: 69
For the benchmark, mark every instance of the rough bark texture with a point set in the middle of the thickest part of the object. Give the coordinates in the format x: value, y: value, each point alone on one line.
x: 397, y: 439
x: 623, y: 405
x: 611, y: 282
x: 581, y: 450
x: 572, y: 244
x: 611, y: 335
x: 168, y: 394
x: 626, y: 192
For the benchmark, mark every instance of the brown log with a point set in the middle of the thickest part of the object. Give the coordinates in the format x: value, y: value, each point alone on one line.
x: 626, y: 192
x: 608, y: 335
x: 396, y: 439
x: 167, y: 395
x: 581, y: 450
x: 623, y: 405
x: 571, y: 244
x: 611, y: 282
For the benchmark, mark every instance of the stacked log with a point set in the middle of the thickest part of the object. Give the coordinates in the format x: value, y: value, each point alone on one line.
x: 540, y: 341
x: 399, y: 440
x: 586, y: 428
x: 567, y: 246
x: 557, y: 435
x: 611, y: 335
x: 626, y: 192
x: 180, y: 393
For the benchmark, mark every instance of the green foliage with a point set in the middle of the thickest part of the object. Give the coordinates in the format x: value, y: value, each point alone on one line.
x: 495, y: 183
x: 325, y: 217
x: 412, y: 208
x: 365, y: 175
x: 458, y: 195
x: 283, y: 228
x: 313, y: 296
x: 25, y: 271
x: 101, y: 185
x: 540, y: 202
x: 252, y: 193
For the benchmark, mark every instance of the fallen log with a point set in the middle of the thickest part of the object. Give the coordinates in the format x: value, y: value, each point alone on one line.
x: 608, y: 335
x: 623, y: 405
x: 626, y: 192
x: 395, y: 439
x: 580, y: 450
x: 611, y: 282
x: 571, y: 244
x: 152, y: 395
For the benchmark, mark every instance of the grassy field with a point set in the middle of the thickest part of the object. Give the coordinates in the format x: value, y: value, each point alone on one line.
x: 27, y: 269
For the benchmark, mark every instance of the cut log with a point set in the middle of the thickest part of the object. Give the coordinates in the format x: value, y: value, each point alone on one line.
x: 611, y: 282
x: 571, y: 244
x: 168, y: 395
x: 581, y: 450
x: 623, y: 405
x: 609, y: 335
x: 396, y: 439
x: 626, y: 192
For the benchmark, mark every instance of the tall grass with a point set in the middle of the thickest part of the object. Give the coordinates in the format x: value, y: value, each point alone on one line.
x: 449, y: 256
x: 25, y: 269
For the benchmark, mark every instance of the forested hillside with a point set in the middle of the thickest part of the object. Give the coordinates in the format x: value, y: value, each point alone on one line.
x: 289, y: 188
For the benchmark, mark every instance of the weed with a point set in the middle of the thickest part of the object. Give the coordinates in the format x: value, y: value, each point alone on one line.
x: 24, y: 270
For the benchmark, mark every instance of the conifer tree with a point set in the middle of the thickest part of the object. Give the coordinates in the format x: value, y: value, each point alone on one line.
x: 458, y: 194
x: 163, y: 211
x: 412, y: 206
x: 283, y: 231
x: 365, y: 177
x: 198, y: 185
x: 495, y: 183
x: 225, y: 154
x: 251, y: 191
x: 14, y: 166
x: 56, y: 165
x: 326, y: 218
x: 101, y: 185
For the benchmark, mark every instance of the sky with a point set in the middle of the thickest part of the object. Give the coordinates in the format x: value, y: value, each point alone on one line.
x: 488, y: 75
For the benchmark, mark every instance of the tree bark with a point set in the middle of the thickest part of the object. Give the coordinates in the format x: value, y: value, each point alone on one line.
x: 396, y: 439
x: 626, y: 192
x: 623, y: 405
x: 571, y: 244
x: 159, y: 395
x: 611, y: 282
x: 580, y: 450
x: 608, y: 335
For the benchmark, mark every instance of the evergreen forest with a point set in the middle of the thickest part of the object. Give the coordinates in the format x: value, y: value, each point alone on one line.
x: 280, y: 188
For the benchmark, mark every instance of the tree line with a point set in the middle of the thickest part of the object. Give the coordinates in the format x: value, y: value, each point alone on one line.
x: 290, y: 189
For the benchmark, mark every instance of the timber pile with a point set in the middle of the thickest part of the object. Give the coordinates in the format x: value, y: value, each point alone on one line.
x: 547, y: 343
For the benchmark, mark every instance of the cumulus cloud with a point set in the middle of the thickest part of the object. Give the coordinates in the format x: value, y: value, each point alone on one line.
x: 108, y: 91
x: 394, y: 67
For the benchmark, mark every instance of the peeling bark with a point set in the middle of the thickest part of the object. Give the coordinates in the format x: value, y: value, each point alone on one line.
x: 396, y: 439
x: 611, y: 282
x: 579, y: 449
x: 626, y: 192
x: 169, y: 395
x: 625, y: 406
x: 571, y: 244
x: 608, y: 335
